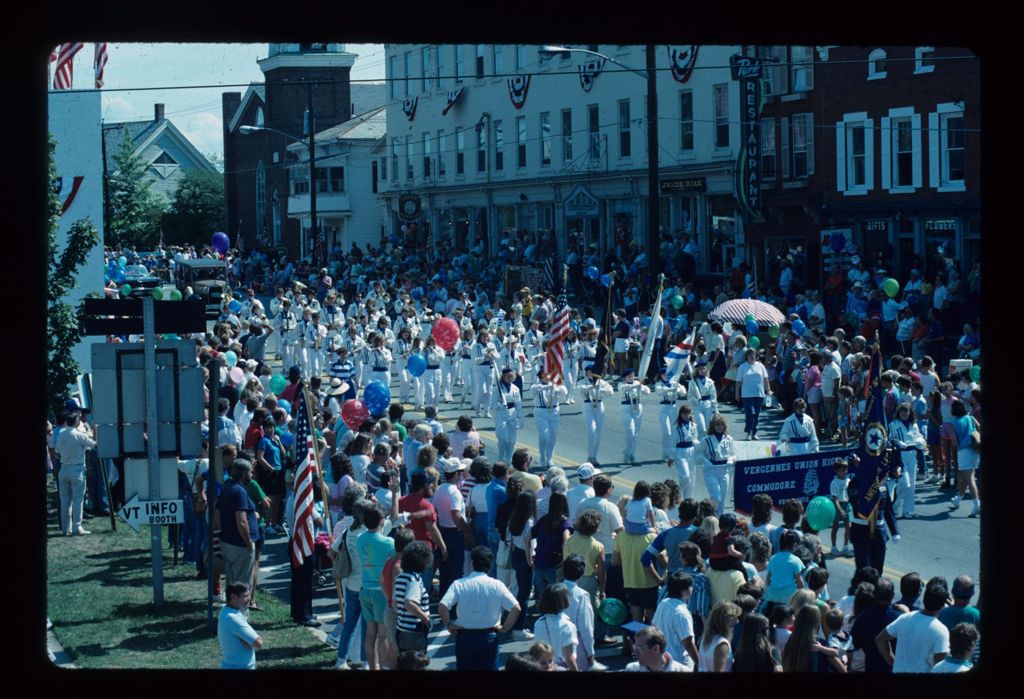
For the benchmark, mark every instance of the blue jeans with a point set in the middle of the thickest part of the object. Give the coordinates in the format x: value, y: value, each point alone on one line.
x: 751, y: 411
x: 97, y: 487
x: 476, y: 650
x: 524, y: 578
x: 353, y: 615
x: 493, y: 539
x: 450, y: 569
x: 542, y: 577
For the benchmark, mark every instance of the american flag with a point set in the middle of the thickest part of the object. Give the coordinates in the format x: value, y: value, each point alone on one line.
x: 305, y: 460
x: 557, y: 334
x: 63, y: 77
x: 677, y: 357
x: 99, y: 62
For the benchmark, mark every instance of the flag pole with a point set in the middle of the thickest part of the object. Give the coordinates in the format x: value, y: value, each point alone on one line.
x: 316, y: 457
x: 645, y: 360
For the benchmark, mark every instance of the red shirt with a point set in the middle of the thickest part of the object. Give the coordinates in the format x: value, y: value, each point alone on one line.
x: 718, y: 547
x: 289, y: 392
x: 417, y: 503
x: 253, y: 435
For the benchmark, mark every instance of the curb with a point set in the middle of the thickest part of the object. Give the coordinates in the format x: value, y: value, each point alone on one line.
x: 56, y: 653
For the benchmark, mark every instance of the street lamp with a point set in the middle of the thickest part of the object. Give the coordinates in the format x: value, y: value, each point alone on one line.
x: 654, y: 194
x: 246, y: 130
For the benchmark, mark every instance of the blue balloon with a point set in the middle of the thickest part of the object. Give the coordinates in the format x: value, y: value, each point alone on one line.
x: 377, y: 397
x: 606, y: 280
x: 417, y: 364
x: 647, y: 322
x: 593, y: 273
x: 285, y: 405
x: 119, y: 276
x: 751, y: 326
x: 416, y: 293
x: 799, y: 328
x: 235, y: 306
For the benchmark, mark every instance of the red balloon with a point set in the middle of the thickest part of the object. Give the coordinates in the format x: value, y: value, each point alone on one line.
x: 445, y: 333
x: 354, y: 413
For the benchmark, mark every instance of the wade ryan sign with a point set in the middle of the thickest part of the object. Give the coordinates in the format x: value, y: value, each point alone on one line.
x: 748, y: 163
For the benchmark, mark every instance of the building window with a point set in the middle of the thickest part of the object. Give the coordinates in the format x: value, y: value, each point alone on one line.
x: 686, y: 121
x: 768, y: 163
x: 566, y: 135
x: 545, y: 138
x: 392, y: 78
x: 924, y: 59
x: 721, y: 116
x: 426, y: 155
x: 460, y: 57
x: 275, y: 217
x: 335, y: 179
x: 857, y: 154
x: 384, y: 169
x: 261, y: 197
x: 481, y: 148
x: 774, y: 70
x: 299, y: 178
x: 594, y: 130
x: 374, y: 176
x: 424, y: 68
x: 625, y: 149
x: 876, y: 64
x: 801, y: 68
x: 407, y: 63
x: 520, y: 142
x: 952, y: 147
x: 441, y: 152
x: 498, y: 68
x: 520, y: 56
x: 499, y: 146
x: 902, y: 152
x: 408, y: 158
x: 802, y: 145
x: 460, y: 156
x: 259, y: 116
x: 440, y: 65
x: 394, y: 159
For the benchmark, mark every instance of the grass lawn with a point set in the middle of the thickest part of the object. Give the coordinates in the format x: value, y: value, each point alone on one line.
x: 100, y: 600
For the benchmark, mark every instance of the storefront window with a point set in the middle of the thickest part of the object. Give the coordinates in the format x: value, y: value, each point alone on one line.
x: 506, y: 217
x: 874, y: 247
x: 721, y: 243
x: 972, y: 245
x: 940, y: 242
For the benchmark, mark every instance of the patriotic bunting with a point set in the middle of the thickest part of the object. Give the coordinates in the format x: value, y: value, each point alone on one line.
x: 64, y: 75
x: 517, y: 88
x: 682, y: 59
x: 453, y: 97
x: 589, y: 71
x: 409, y: 107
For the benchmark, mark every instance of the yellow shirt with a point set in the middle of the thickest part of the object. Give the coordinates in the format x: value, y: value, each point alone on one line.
x: 585, y: 546
x: 630, y: 547
x: 532, y: 480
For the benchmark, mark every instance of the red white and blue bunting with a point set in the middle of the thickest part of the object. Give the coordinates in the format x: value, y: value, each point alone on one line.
x: 589, y: 71
x: 409, y: 107
x: 453, y: 97
x: 682, y: 59
x: 517, y: 88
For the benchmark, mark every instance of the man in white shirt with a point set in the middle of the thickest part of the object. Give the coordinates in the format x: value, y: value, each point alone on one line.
x: 610, y: 527
x: 71, y: 445
x: 481, y: 599
x: 830, y: 378
x: 451, y: 520
x: 674, y: 619
x: 580, y: 612
x: 651, y: 655
x: 923, y: 639
x: 584, y: 490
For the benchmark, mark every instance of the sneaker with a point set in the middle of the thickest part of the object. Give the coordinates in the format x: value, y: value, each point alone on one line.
x: 522, y: 635
x: 341, y: 665
x: 598, y: 667
x: 332, y: 641
x: 80, y: 531
x: 976, y: 510
x: 956, y: 502
x: 835, y: 552
x: 847, y: 550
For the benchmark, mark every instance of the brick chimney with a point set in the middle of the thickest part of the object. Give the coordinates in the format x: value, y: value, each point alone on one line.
x: 158, y: 112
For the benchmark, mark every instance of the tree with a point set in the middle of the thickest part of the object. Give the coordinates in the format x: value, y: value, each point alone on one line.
x: 63, y: 331
x: 197, y: 210
x: 132, y: 208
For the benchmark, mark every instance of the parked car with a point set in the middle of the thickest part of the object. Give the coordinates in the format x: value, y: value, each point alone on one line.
x: 208, y: 280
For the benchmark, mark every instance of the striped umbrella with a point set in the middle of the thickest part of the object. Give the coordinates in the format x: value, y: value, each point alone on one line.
x: 737, y: 310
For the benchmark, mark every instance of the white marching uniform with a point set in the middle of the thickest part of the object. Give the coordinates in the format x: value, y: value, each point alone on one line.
x: 466, y: 374
x: 799, y: 433
x: 365, y: 365
x: 593, y: 412
x: 402, y: 349
x: 531, y: 346
x: 907, y: 438
x: 703, y: 397
x: 719, y: 454
x: 308, y: 357
x: 448, y: 373
x: 588, y: 353
x: 484, y: 357
x: 632, y: 415
x: 669, y: 392
x: 546, y: 397
x: 380, y: 369
x: 431, y: 378
x: 287, y: 325
x: 570, y: 368
x: 508, y: 405
x: 685, y: 436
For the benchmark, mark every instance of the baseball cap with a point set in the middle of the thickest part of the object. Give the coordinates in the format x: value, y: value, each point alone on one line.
x: 453, y: 465
x: 587, y: 470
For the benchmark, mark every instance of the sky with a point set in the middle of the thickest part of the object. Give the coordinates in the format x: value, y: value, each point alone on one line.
x: 195, y: 111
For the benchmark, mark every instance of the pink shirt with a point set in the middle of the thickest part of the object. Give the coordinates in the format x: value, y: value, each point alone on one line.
x: 459, y: 440
x: 812, y: 378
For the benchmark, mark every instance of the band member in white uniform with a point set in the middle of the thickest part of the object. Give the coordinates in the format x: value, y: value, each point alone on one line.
x: 287, y: 326
x: 401, y: 352
x: 593, y: 388
x: 508, y: 406
x: 464, y: 350
x: 684, y: 431
x: 905, y: 435
x: 485, y: 354
x: 448, y: 372
x: 307, y: 342
x: 669, y: 392
x: 798, y: 430
x: 380, y: 360
x: 533, y: 345
x: 546, y: 397
x: 703, y: 397
x: 570, y: 365
x: 632, y: 413
x: 718, y: 453
x: 432, y: 375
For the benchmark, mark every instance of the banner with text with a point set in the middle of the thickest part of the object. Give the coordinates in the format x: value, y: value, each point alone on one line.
x: 803, y: 476
x: 747, y: 71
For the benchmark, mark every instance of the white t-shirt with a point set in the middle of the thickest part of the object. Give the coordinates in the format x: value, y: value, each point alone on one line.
x: 673, y: 666
x: 950, y: 665
x: 611, y: 519
x: 829, y: 375
x: 837, y: 488
x: 448, y: 498
x: 636, y: 510
x: 674, y: 619
x: 478, y: 498
x: 919, y: 638
x: 558, y: 632
x: 751, y: 378
x: 575, y: 496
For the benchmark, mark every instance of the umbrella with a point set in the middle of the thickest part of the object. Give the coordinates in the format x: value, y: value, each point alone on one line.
x: 737, y: 310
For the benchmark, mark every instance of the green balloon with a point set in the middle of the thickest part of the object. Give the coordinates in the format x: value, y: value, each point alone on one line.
x: 891, y: 287
x: 175, y: 295
x: 277, y: 384
x: 126, y: 290
x: 158, y: 294
x: 612, y: 611
x: 755, y: 342
x: 821, y: 513
x: 976, y: 373
x: 678, y: 301
x: 749, y: 318
x: 773, y: 331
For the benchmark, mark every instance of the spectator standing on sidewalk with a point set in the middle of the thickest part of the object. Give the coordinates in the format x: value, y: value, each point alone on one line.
x: 71, y: 445
x: 238, y: 640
